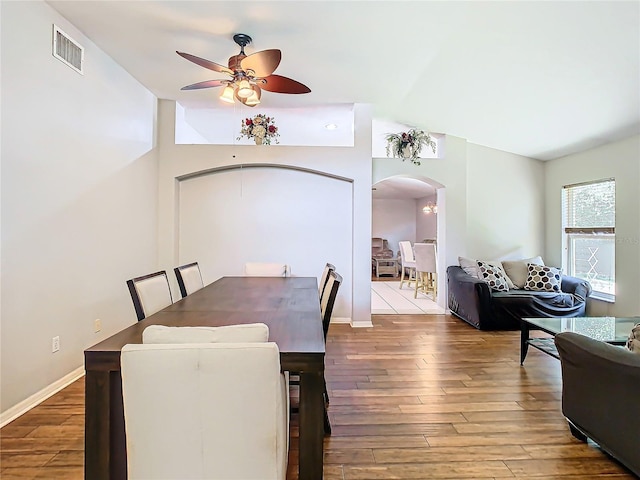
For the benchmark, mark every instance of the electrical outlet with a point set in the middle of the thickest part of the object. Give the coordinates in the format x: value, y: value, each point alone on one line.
x: 97, y: 325
x: 55, y: 344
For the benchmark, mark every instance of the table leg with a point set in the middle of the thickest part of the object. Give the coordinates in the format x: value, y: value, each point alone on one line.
x: 524, y: 340
x: 96, y: 429
x: 312, y: 411
x: 104, y: 436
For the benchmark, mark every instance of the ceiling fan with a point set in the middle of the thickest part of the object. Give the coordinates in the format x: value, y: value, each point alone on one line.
x: 250, y: 74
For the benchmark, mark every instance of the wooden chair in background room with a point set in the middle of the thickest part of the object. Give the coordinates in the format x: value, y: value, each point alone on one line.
x: 150, y: 293
x: 189, y: 278
x: 323, y: 279
x: 255, y: 269
x: 408, y: 263
x: 186, y: 414
x: 426, y: 269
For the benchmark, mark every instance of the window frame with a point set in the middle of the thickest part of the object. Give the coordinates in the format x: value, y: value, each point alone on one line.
x: 570, y: 234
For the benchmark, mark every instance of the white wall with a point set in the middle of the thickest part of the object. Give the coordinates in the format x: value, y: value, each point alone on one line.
x: 79, y: 199
x: 270, y: 214
x: 395, y: 220
x: 351, y: 163
x: 505, y: 204
x: 619, y: 160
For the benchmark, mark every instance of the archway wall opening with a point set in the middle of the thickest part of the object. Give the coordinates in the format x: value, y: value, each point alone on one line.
x: 490, y: 203
x: 448, y: 176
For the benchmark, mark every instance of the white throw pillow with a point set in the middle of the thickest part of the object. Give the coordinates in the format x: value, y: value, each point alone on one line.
x: 633, y: 343
x: 469, y: 266
x: 241, y: 333
x: 518, y: 271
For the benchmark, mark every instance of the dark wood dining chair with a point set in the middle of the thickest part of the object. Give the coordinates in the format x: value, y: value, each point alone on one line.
x: 326, y: 308
x: 323, y: 279
x: 189, y: 278
x: 334, y: 279
x: 150, y: 293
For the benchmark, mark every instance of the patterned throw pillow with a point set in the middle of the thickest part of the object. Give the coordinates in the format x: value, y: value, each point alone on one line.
x: 543, y: 279
x: 493, y: 276
x: 633, y: 343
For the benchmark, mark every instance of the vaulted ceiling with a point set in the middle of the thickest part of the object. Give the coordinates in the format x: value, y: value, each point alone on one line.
x: 541, y: 79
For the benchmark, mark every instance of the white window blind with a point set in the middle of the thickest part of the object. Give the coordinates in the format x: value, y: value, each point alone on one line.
x: 589, y: 221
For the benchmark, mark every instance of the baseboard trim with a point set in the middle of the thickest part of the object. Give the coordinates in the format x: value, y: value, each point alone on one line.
x: 340, y: 320
x: 362, y: 324
x: 349, y: 321
x: 27, y: 404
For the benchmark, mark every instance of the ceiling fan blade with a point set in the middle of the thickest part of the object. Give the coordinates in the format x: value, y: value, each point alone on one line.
x: 280, y: 84
x: 205, y: 63
x: 206, y: 84
x: 262, y: 63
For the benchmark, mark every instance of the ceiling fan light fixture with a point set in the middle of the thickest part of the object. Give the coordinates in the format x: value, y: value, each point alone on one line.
x: 253, y: 99
x: 227, y: 94
x: 244, y: 89
x: 430, y: 208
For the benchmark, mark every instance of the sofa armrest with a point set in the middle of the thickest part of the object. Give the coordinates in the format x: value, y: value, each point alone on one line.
x: 577, y: 286
x: 468, y: 297
x: 600, y: 391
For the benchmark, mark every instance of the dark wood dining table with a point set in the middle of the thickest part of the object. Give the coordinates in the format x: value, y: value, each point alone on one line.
x: 289, y: 306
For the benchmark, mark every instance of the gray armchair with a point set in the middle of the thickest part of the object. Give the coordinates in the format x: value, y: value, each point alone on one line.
x: 380, y: 248
x: 600, y: 393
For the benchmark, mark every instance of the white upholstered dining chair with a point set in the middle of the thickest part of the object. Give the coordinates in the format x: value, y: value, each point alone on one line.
x: 426, y: 269
x: 408, y: 263
x: 256, y: 269
x: 189, y: 278
x: 241, y: 333
x: 187, y: 416
x: 150, y: 293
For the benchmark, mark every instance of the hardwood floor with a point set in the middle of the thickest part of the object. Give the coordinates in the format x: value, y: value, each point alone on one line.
x: 416, y: 397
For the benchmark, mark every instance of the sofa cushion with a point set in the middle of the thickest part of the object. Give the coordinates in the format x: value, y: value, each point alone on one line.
x: 518, y: 270
x: 552, y: 299
x: 543, y: 279
x: 494, y: 276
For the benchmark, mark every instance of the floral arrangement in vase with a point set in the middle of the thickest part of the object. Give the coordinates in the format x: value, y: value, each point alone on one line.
x: 408, y: 145
x: 261, y: 128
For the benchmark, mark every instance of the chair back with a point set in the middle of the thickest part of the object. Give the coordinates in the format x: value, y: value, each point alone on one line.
x: 189, y: 278
x: 241, y: 333
x: 150, y: 293
x: 323, y: 279
x: 201, y: 410
x: 426, y: 259
x: 329, y: 298
x: 254, y: 269
x: 406, y: 252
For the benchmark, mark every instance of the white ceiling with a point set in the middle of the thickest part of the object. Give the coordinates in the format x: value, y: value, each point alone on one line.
x: 541, y: 79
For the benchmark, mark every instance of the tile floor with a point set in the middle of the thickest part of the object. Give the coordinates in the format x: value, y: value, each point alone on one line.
x: 388, y: 299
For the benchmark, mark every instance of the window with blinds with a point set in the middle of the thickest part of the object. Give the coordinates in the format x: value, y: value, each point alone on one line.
x: 589, y: 223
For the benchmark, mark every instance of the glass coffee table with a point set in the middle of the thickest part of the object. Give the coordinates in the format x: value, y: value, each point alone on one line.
x: 613, y: 330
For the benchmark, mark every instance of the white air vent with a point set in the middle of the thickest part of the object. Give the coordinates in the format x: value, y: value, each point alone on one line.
x: 67, y: 50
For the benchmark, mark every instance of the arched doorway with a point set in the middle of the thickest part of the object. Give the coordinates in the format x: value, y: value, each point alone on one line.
x: 409, y: 208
